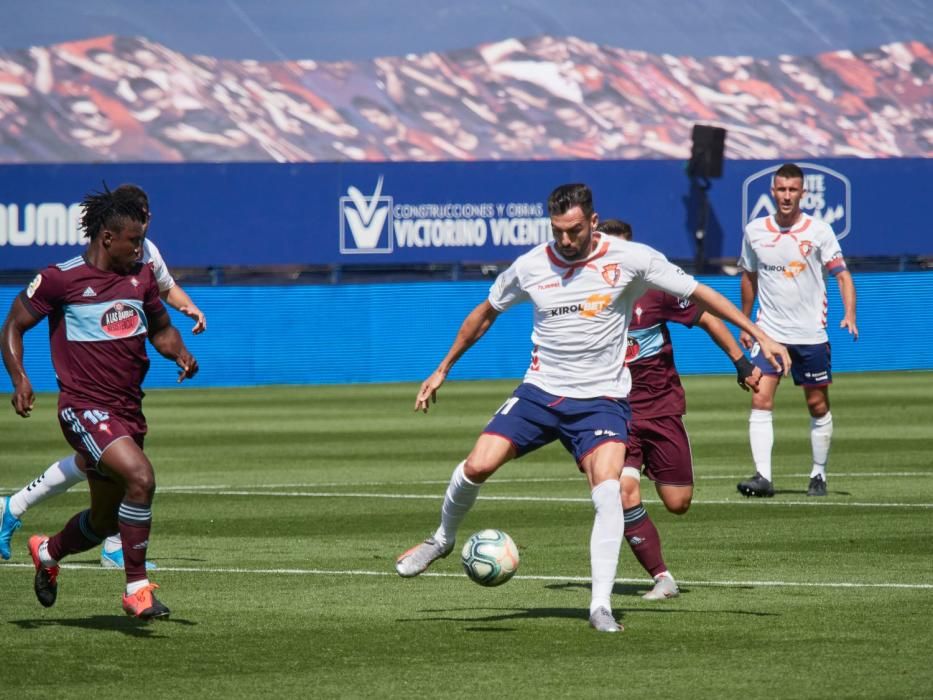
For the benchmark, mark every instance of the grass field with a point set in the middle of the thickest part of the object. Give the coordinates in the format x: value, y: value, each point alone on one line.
x: 280, y: 512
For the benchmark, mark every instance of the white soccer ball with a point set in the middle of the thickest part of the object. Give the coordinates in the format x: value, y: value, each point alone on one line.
x: 490, y: 557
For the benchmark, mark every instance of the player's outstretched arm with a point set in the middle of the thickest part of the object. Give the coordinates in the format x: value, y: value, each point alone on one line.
x: 847, y: 291
x: 167, y: 340
x: 747, y: 374
x: 17, y: 322
x: 473, y: 328
x: 710, y: 299
x: 178, y: 299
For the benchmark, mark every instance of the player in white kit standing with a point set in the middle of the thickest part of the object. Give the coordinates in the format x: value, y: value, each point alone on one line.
x: 582, y: 285
x: 783, y: 259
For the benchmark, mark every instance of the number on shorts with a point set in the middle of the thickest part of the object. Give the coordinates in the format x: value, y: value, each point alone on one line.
x: 507, y: 406
x: 95, y: 416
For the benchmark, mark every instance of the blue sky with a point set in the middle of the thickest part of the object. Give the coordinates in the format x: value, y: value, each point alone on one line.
x: 356, y: 29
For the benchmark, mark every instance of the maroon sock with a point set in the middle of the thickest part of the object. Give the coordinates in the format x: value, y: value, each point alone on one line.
x: 76, y: 536
x: 642, y: 536
x: 135, y: 522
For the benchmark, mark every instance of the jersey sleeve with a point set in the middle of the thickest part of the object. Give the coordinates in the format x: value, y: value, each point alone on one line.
x: 668, y: 277
x: 830, y: 253
x: 748, y: 260
x: 45, y: 293
x: 680, y: 310
x: 153, y: 257
x: 152, y: 302
x: 507, y: 290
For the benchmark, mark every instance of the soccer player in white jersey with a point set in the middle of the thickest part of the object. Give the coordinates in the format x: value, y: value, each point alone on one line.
x: 783, y: 259
x: 65, y: 473
x: 582, y: 285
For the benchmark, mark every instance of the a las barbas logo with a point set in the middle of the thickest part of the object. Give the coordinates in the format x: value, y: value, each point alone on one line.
x: 120, y: 320
x: 828, y: 196
x: 365, y: 221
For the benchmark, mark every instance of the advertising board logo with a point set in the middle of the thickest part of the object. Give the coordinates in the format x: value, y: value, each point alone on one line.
x: 828, y: 196
x: 366, y: 222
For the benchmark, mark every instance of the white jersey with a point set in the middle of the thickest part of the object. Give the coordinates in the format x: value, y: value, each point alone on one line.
x: 791, y: 288
x: 582, y: 311
x: 153, y: 258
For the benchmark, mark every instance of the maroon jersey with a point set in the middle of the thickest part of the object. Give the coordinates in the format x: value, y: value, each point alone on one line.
x: 656, y: 388
x: 98, y: 325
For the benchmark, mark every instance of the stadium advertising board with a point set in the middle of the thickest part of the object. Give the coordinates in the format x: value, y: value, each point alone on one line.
x: 423, y: 213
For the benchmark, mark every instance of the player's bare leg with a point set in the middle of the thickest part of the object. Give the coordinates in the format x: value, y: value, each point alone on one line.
x: 602, y: 467
x: 128, y: 464
x: 489, y: 453
x: 761, y: 438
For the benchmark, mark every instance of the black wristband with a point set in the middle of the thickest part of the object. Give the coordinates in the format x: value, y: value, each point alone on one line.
x: 744, y: 369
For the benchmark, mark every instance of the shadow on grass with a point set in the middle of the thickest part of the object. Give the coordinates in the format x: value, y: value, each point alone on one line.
x: 638, y: 590
x: 106, y: 623
x: 497, y: 615
x: 627, y: 589
x: 803, y: 492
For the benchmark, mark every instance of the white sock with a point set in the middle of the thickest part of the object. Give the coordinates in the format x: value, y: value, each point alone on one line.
x: 605, y: 541
x: 57, y: 479
x: 131, y: 588
x: 113, y: 543
x: 44, y: 557
x: 761, y: 438
x: 821, y: 435
x: 460, y: 496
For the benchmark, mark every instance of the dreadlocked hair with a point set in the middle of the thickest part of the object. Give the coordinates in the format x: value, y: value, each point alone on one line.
x: 111, y: 210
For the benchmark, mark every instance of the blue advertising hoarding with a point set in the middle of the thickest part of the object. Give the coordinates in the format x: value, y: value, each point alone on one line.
x: 341, y: 334
x: 248, y: 214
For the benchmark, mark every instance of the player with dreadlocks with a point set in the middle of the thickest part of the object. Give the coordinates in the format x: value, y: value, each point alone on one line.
x: 64, y: 473
x: 101, y: 308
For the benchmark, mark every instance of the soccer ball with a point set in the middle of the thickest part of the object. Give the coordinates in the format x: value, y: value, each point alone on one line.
x: 490, y: 557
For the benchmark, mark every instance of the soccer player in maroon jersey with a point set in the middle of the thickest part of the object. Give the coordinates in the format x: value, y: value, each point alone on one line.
x: 658, y: 439
x: 101, y: 308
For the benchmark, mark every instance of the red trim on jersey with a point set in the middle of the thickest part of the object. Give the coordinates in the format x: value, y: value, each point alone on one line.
x: 571, y: 268
x: 790, y: 230
x: 554, y: 403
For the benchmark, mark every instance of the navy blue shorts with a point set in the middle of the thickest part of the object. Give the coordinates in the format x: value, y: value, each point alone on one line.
x: 811, y: 365
x: 532, y: 418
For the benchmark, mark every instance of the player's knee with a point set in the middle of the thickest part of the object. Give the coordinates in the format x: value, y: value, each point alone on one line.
x: 477, y: 469
x: 677, y: 502
x: 140, y: 486
x: 631, y: 490
x: 818, y: 407
x: 678, y: 505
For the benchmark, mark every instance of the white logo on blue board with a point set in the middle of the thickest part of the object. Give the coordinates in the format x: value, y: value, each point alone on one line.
x: 365, y: 222
x: 828, y: 196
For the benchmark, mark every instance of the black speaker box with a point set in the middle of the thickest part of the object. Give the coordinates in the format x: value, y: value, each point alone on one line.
x: 706, y: 156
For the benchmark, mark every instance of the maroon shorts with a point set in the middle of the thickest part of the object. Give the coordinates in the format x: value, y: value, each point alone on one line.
x: 661, y: 444
x: 91, y: 430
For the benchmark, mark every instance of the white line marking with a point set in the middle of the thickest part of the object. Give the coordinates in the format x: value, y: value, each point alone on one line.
x: 582, y: 579
x: 547, y: 499
x: 499, y: 480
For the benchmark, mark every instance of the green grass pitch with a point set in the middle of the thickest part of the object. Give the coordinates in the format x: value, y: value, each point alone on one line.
x: 280, y: 512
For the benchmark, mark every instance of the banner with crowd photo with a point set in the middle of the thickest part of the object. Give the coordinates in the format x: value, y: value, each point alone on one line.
x: 239, y: 214
x: 131, y: 99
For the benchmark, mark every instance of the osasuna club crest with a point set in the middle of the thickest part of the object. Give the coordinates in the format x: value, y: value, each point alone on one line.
x: 828, y: 197
x: 612, y: 273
